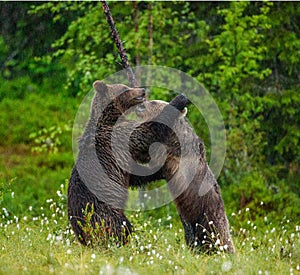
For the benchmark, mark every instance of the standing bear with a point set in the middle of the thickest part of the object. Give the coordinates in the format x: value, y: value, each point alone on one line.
x: 193, y: 186
x: 98, y: 186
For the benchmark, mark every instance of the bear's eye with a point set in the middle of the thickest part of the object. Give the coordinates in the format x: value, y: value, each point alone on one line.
x: 125, y: 90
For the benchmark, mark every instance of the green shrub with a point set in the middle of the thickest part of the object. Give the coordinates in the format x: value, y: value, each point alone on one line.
x: 20, y: 118
x: 17, y: 88
x: 255, y: 193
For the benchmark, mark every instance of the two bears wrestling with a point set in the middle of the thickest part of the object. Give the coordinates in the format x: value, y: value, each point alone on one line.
x: 105, y: 168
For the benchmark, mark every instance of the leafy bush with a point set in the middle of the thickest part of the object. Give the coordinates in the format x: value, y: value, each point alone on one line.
x: 48, y: 140
x: 20, y: 118
x: 254, y: 192
x: 16, y: 89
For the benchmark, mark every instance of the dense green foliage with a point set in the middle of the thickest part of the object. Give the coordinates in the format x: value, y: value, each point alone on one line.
x: 247, y: 54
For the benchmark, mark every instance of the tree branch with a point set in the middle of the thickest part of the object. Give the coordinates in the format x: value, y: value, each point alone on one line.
x: 121, y: 49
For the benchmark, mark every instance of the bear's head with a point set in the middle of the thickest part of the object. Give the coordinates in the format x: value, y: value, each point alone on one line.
x: 150, y: 109
x: 161, y: 123
x: 182, y: 143
x: 120, y: 96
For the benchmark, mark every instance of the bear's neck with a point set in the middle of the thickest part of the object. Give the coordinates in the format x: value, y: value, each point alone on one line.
x: 110, y: 115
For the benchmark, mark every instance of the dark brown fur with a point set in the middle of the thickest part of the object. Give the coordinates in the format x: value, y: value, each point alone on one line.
x: 198, y: 199
x: 97, y: 182
x: 95, y: 140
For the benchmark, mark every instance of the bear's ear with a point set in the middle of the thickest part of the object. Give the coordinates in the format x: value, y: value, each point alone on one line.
x: 100, y: 86
x: 184, y: 112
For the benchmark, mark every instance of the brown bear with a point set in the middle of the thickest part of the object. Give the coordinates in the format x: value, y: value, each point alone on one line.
x: 194, y: 188
x: 98, y: 186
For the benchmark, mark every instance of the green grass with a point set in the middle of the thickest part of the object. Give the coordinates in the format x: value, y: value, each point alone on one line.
x: 35, y: 236
x: 44, y: 244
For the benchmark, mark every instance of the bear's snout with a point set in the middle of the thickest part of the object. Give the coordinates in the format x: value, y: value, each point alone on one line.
x: 141, y: 93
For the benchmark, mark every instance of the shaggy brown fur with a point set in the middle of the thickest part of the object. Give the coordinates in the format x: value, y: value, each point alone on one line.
x: 196, y: 192
x: 98, y: 184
